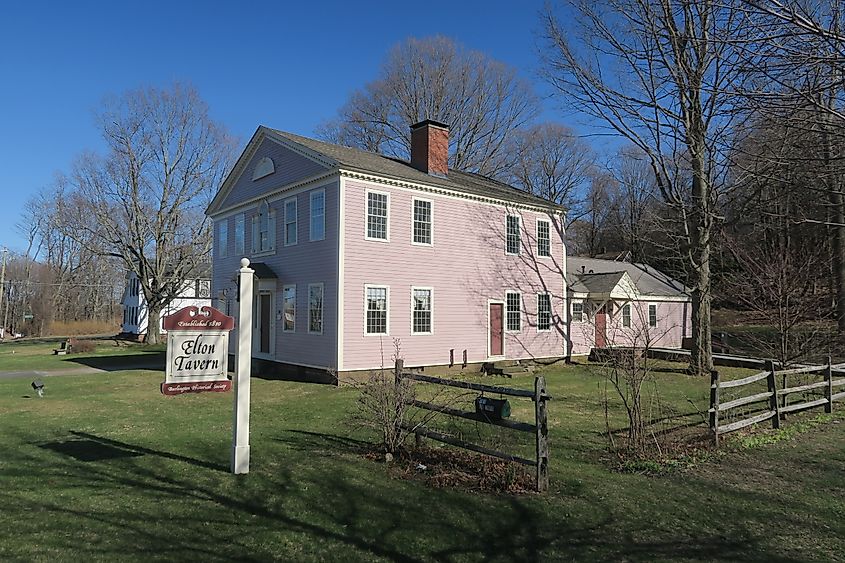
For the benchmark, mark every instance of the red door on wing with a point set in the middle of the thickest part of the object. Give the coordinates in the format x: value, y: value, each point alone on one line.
x: 601, y: 327
x: 497, y: 329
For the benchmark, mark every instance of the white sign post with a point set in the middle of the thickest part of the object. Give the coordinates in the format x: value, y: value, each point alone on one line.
x: 243, y: 367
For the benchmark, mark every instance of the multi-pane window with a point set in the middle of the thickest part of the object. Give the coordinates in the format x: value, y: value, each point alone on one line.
x: 315, y: 308
x: 626, y: 315
x: 223, y: 238
x: 652, y: 316
x: 376, y: 310
x: 264, y: 229
x: 240, y: 233
x: 513, y: 303
x: 289, y: 308
x: 544, y: 311
x: 202, y: 289
x: 318, y: 215
x: 290, y: 222
x: 544, y: 245
x: 421, y: 311
x: 422, y: 221
x: 512, y: 234
x: 577, y: 312
x: 376, y: 216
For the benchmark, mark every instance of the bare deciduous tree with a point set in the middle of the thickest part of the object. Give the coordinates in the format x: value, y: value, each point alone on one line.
x: 143, y: 201
x: 550, y: 161
x: 662, y: 74
x: 482, y: 100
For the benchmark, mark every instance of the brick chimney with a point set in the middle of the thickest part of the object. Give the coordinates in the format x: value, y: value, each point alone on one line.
x: 430, y: 147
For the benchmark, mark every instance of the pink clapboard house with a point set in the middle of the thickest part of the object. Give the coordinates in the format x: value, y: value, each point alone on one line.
x: 358, y: 255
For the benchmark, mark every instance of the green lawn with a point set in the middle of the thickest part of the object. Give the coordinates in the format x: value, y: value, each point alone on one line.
x: 106, y: 468
x: 109, y: 354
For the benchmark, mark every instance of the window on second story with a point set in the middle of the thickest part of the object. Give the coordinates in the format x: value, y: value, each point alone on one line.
x: 240, y: 234
x: 264, y: 229
x: 544, y: 245
x: 422, y: 221
x: 512, y: 235
x: 202, y: 289
x: 544, y: 311
x: 652, y: 315
x: 377, y: 216
x: 290, y: 221
x: 223, y: 238
x: 318, y: 215
x: 513, y: 303
x: 626, y: 315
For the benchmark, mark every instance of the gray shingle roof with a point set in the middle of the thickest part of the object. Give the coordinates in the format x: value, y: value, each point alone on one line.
x: 588, y: 275
x: 465, y: 182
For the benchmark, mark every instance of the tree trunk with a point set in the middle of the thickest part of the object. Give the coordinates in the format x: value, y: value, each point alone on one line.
x: 701, y: 354
x: 153, y: 335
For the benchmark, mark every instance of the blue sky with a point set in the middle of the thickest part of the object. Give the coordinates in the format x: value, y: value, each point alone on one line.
x: 289, y: 65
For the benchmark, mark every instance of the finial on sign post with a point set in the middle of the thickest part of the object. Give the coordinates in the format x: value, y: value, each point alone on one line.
x: 244, y: 262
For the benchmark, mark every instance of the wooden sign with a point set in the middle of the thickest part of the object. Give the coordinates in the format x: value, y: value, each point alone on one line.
x: 197, y: 350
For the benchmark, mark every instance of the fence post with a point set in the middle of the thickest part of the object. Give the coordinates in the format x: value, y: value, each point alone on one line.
x: 714, y: 405
x: 451, y: 357
x: 542, y: 433
x: 828, y: 390
x: 773, y: 400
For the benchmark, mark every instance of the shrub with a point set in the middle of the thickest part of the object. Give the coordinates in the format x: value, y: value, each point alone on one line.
x: 82, y: 346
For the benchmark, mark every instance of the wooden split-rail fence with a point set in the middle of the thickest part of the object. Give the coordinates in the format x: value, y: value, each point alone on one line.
x: 539, y: 429
x: 774, y: 399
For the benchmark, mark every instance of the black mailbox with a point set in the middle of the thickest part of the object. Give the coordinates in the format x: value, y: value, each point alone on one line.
x: 494, y: 409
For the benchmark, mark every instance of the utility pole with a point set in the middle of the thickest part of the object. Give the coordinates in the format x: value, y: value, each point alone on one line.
x: 3, y: 291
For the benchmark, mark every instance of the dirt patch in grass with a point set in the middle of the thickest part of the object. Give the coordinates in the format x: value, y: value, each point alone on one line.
x: 443, y: 468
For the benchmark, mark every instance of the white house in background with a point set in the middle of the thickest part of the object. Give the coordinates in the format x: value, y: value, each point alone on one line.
x: 197, y: 292
x: 614, y: 303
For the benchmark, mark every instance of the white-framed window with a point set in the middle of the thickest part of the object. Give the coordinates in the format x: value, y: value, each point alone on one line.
x: 544, y: 242
x: 652, y: 315
x: 315, y: 308
x: 318, y: 215
x: 376, y: 307
x: 378, y: 210
x: 512, y: 234
x: 422, y: 221
x: 240, y: 234
x: 421, y: 310
x: 626, y: 315
x: 264, y: 229
x: 289, y: 308
x: 202, y: 289
x: 223, y: 238
x: 544, y: 311
x: 290, y: 221
x: 513, y: 306
x: 577, y: 312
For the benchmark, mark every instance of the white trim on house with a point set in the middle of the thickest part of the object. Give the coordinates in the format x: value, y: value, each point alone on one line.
x: 341, y: 244
x: 431, y: 309
x: 284, y: 192
x: 367, y: 236
x: 386, y: 309
x: 430, y: 202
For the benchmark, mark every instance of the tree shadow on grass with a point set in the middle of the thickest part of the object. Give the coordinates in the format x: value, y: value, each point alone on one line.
x: 153, y: 360
x: 155, y: 504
